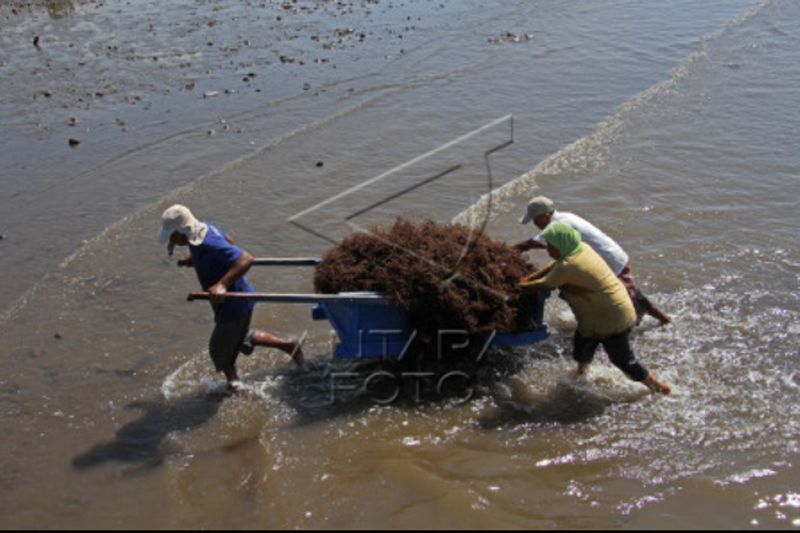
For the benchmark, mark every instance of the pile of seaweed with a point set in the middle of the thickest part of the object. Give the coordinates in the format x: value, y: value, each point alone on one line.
x: 447, y: 276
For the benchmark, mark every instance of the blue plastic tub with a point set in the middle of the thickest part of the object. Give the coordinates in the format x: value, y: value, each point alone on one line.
x: 379, y: 328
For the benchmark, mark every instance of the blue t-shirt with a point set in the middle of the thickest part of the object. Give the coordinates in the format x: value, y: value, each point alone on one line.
x: 212, y: 259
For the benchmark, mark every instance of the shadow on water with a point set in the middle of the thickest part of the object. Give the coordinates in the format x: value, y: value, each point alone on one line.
x: 139, y: 441
x: 566, y: 403
x: 343, y: 388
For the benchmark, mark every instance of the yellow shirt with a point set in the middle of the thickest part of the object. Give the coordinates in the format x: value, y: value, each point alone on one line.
x: 597, y: 298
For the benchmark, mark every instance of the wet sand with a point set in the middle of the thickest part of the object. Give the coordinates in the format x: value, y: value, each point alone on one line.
x: 92, y: 86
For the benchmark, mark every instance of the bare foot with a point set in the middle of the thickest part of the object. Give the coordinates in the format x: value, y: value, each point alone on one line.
x: 657, y: 386
x: 660, y: 315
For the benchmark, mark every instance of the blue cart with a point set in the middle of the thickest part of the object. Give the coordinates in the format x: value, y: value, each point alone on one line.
x: 367, y: 323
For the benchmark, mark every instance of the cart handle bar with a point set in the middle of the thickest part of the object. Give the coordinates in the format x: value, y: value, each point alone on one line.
x: 286, y: 261
x: 293, y: 298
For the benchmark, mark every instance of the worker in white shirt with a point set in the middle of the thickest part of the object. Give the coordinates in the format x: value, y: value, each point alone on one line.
x: 541, y: 211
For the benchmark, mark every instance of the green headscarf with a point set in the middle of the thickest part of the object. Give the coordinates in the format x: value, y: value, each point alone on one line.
x: 564, y: 238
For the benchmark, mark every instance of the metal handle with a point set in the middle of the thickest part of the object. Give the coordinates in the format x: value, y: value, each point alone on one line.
x: 286, y: 261
x: 292, y: 298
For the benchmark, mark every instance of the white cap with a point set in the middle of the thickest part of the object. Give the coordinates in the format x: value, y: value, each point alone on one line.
x: 540, y: 205
x: 179, y: 218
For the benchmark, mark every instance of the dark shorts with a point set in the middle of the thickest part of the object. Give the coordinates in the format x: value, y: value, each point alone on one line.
x: 618, y: 348
x: 226, y: 342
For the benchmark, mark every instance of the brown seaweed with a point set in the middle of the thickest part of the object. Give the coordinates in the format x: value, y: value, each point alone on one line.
x: 447, y: 276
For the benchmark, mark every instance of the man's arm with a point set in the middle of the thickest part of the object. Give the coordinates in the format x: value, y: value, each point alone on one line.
x: 237, y: 270
x: 529, y: 244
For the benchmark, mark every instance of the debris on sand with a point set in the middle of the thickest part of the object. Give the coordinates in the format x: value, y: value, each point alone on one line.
x: 510, y: 37
x: 73, y: 142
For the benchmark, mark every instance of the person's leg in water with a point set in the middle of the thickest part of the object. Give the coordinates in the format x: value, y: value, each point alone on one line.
x: 231, y: 375
x: 583, y: 352
x: 641, y: 303
x: 268, y: 340
x: 224, y: 346
x: 621, y: 354
x: 652, y: 309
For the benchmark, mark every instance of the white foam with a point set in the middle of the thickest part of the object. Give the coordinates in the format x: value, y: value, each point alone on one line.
x: 181, y: 380
x: 744, y: 477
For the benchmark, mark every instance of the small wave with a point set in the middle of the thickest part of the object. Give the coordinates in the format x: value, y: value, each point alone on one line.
x: 190, y: 379
x: 587, y: 153
x: 745, y: 477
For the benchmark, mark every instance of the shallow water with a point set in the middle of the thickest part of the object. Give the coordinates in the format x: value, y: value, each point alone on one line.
x: 672, y: 127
